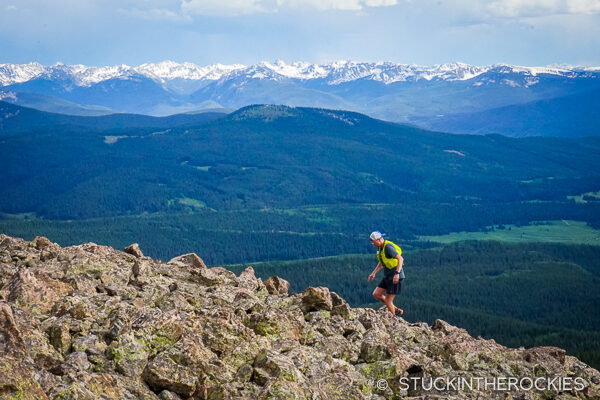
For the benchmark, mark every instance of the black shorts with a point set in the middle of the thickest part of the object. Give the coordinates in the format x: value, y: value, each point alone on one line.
x: 387, y: 283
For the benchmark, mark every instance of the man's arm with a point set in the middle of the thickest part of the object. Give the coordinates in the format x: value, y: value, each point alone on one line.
x: 375, y: 271
x: 400, y: 263
x: 398, y: 268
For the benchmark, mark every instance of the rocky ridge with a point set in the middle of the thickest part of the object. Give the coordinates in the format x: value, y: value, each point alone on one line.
x: 92, y: 322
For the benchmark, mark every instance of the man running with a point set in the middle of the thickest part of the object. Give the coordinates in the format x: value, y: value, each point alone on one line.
x: 389, y: 256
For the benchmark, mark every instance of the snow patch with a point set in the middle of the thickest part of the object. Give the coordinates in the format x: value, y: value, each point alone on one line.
x: 455, y: 152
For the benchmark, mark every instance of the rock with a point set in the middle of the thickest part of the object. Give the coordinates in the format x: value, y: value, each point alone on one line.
x: 190, y: 260
x: 164, y: 373
x: 11, y: 341
x: 90, y: 344
x: 91, y: 322
x: 277, y: 285
x: 167, y: 395
x: 134, y: 250
x: 17, y: 380
x: 547, y: 354
x: 458, y: 362
x: 244, y: 373
x: 271, y: 323
x: 249, y: 281
x: 35, y: 292
x: 337, y: 386
x: 217, y: 276
x: 374, y: 349
x: 41, y: 242
x: 272, y: 364
x: 130, y: 355
x: 77, y: 361
x: 443, y: 327
x: 140, y: 268
x: 338, y: 346
x: 314, y: 299
x: 60, y: 336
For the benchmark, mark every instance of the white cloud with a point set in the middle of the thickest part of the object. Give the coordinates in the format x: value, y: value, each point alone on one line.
x: 223, y: 7
x: 11, y: 8
x: 539, y: 8
x: 324, y: 4
x: 153, y: 14
x: 380, y: 3
x: 584, y: 6
x: 240, y: 7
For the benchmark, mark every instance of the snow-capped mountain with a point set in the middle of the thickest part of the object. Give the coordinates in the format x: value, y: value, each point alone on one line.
x: 386, y: 90
x: 334, y: 73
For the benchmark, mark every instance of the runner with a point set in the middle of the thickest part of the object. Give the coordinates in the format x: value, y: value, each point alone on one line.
x: 389, y: 256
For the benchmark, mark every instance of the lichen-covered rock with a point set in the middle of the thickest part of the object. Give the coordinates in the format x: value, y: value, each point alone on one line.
x: 59, y: 335
x: 375, y: 348
x: 271, y: 364
x: 249, y: 281
x: 277, y: 285
x: 41, y: 242
x: 130, y: 355
x: 134, y: 250
x: 91, y: 322
x: 190, y: 260
x: 164, y: 373
x: 35, y: 292
x: 11, y: 340
x: 17, y: 380
x: 316, y: 298
x: 216, y: 276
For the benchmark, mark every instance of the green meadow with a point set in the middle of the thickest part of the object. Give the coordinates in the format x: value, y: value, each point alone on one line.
x: 563, y: 231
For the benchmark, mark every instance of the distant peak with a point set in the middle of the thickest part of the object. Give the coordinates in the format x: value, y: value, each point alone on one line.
x: 333, y: 73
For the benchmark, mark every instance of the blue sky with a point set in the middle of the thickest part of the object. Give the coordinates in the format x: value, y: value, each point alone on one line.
x: 425, y: 32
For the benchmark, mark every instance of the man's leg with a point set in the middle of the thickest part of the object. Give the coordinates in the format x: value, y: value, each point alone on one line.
x: 379, y: 294
x: 389, y: 302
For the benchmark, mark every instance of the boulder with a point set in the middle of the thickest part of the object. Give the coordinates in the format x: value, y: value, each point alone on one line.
x: 545, y: 354
x: 277, y: 285
x: 269, y: 364
x: 316, y: 298
x: 17, y: 380
x: 162, y: 373
x: 59, y: 335
x: 248, y: 280
x: 130, y: 355
x: 216, y: 276
x: 374, y: 349
x: 41, y: 242
x: 189, y: 260
x: 11, y: 341
x: 134, y: 250
x: 35, y: 292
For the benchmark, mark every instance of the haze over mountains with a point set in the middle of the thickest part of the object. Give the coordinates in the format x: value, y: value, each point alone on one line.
x: 448, y: 97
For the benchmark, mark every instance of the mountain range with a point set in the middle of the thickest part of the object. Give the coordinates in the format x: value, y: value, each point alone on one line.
x: 424, y: 96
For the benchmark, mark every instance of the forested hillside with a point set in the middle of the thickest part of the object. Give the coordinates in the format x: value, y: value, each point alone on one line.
x: 518, y: 294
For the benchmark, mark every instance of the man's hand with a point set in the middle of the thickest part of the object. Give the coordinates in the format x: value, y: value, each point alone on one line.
x: 371, y: 277
x: 396, y: 279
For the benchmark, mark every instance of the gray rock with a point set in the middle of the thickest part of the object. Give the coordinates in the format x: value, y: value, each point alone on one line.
x: 277, y: 285
x: 164, y: 373
x: 134, y: 250
x: 316, y: 298
x: 188, y: 260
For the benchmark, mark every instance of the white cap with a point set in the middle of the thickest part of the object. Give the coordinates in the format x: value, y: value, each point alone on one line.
x: 376, y: 235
